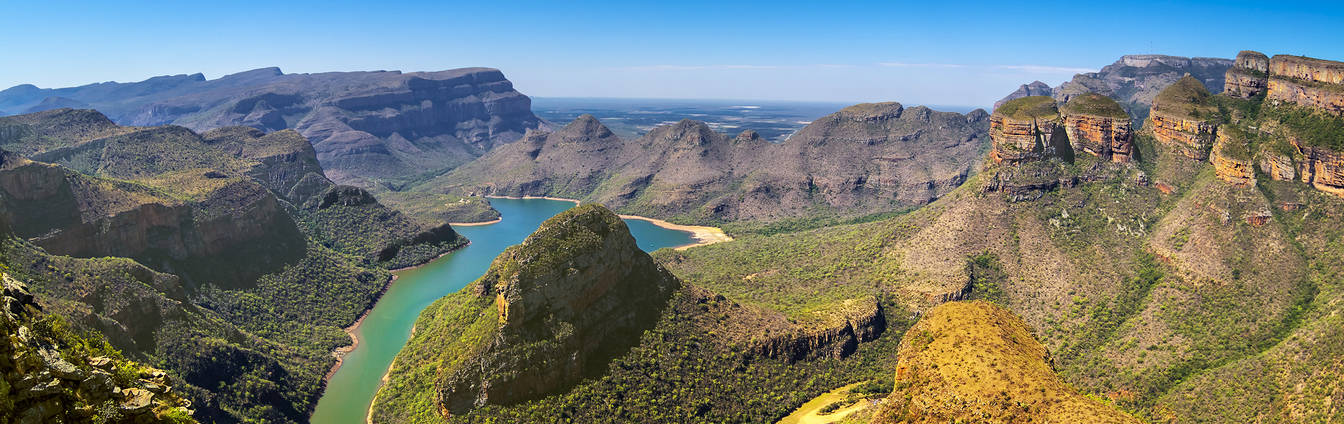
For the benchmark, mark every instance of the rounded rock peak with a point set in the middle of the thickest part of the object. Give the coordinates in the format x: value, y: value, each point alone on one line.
x: 1094, y: 104
x: 748, y: 135
x: 587, y: 124
x: 1030, y: 107
x: 872, y: 111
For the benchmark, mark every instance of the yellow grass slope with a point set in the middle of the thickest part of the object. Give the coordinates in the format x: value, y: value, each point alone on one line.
x: 977, y: 362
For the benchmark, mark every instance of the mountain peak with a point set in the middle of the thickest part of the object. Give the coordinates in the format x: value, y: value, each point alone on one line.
x: 586, y: 125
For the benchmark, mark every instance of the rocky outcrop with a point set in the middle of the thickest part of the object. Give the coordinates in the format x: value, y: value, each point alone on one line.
x: 70, y: 214
x: 1182, y: 118
x: 1307, y: 82
x: 1231, y: 158
x: 1249, y: 75
x: 1276, y: 161
x: 1020, y: 129
x: 1098, y: 125
x: 363, y: 124
x: 854, y: 322
x: 1036, y: 88
x: 554, y: 310
x: 1322, y: 168
x: 44, y: 378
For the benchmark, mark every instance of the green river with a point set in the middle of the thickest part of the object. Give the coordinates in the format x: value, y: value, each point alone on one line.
x: 388, y: 326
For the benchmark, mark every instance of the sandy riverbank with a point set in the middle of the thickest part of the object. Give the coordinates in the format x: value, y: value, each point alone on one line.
x: 353, y: 329
x: 576, y: 202
x: 475, y: 224
x: 702, y: 235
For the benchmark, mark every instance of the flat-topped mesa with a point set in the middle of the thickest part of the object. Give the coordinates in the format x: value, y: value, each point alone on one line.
x: 1231, y: 157
x: 1098, y: 125
x: 1248, y: 76
x: 1182, y: 118
x: 1020, y: 129
x: 1308, y: 82
x: 552, y: 311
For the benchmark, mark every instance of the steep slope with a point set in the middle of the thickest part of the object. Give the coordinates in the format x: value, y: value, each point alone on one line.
x: 49, y: 373
x: 976, y: 362
x: 364, y: 125
x: 253, y: 260
x: 866, y: 159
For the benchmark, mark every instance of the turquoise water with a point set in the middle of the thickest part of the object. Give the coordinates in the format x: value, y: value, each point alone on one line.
x: 388, y: 326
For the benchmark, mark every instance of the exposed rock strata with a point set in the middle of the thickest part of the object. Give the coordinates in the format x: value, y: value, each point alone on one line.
x: 1232, y: 160
x: 857, y: 321
x: 1249, y: 75
x: 1023, y: 135
x: 1097, y: 125
x: 363, y: 124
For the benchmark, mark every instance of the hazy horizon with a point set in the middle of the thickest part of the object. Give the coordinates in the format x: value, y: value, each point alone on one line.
x: 789, y: 51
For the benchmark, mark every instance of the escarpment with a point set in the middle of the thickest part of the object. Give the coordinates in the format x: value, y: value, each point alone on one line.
x: 46, y: 377
x: 1134, y: 80
x: 864, y: 159
x: 362, y: 124
x: 977, y: 362
x: 852, y: 322
x: 1231, y: 158
x: 549, y: 312
x: 1308, y: 82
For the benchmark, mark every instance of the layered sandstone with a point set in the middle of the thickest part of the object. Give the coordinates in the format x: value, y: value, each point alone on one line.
x: 855, y: 321
x: 1020, y: 129
x: 1308, y: 82
x: 1248, y: 76
x: 1277, y: 163
x: 1307, y: 69
x: 1098, y: 125
x: 1182, y: 118
x: 1322, y: 168
x: 1231, y: 158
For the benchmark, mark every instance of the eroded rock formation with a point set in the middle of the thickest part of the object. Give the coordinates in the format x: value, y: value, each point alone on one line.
x: 1231, y: 158
x: 1181, y: 118
x: 554, y: 310
x: 1098, y: 125
x: 854, y: 322
x: 1020, y: 129
x: 1248, y: 76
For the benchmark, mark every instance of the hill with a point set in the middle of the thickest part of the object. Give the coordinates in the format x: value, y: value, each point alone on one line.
x: 1133, y: 80
x: 365, y: 126
x: 864, y: 160
x: 976, y: 362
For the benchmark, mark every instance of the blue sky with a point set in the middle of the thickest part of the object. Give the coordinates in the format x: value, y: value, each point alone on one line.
x: 932, y: 52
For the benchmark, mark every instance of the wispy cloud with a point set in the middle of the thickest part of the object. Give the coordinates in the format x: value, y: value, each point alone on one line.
x: 696, y: 67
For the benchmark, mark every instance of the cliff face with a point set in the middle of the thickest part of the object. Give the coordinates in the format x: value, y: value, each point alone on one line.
x: 1231, y: 159
x: 1006, y: 377
x: 857, y: 321
x: 553, y: 310
x: 1096, y: 124
x: 864, y: 159
x: 363, y: 124
x: 1308, y: 82
x: 1249, y: 75
x: 44, y: 377
x: 1020, y: 131
x: 1322, y: 168
x: 1134, y: 80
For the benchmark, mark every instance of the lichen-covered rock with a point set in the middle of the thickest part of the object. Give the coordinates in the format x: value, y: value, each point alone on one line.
x: 1098, y: 125
x: 553, y: 310
x: 1231, y: 158
x: 1020, y: 129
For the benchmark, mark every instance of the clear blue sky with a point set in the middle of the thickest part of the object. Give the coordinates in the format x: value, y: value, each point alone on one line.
x: 932, y: 52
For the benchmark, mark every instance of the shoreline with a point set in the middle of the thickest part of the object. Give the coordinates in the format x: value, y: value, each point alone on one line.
x: 703, y: 235
x: 353, y: 329
x: 387, y: 376
x: 475, y: 224
x: 575, y: 202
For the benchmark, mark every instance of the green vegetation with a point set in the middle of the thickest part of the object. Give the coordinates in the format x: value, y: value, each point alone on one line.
x: 437, y: 209
x: 1313, y: 128
x: 1030, y: 107
x: 1095, y: 105
x: 1186, y: 98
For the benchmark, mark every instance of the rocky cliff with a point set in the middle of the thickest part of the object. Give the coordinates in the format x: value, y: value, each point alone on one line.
x: 865, y: 159
x: 363, y: 124
x: 1098, y: 125
x: 1248, y: 76
x: 1231, y: 158
x: 1307, y: 82
x: 977, y: 362
x: 549, y: 312
x: 1183, y: 118
x: 1021, y: 129
x: 852, y: 322
x: 50, y: 374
